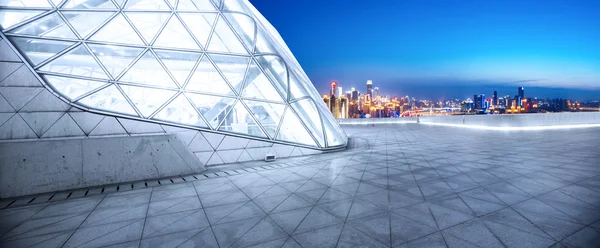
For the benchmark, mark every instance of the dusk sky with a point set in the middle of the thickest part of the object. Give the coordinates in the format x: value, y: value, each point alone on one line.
x: 445, y: 48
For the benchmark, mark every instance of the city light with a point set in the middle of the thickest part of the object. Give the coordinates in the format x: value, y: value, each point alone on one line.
x: 376, y: 104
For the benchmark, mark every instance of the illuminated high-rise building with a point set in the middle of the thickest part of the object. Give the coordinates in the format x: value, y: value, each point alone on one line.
x: 370, y: 89
x: 354, y: 94
x: 340, y: 92
x: 333, y: 89
x: 520, y: 96
x: 495, y: 99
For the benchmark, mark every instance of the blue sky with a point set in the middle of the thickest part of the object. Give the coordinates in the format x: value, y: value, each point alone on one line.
x: 415, y: 46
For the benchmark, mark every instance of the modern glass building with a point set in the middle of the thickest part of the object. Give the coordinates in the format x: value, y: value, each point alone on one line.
x: 207, y: 65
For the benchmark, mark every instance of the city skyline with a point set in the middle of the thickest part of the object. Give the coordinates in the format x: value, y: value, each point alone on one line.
x: 549, y: 47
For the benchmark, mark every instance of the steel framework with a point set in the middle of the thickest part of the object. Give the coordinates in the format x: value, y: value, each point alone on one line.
x: 208, y: 65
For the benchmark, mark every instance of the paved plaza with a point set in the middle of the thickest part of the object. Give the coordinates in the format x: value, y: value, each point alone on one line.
x: 396, y: 186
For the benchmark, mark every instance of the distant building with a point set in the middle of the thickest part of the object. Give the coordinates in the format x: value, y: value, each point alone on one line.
x: 520, y: 96
x: 370, y: 89
x: 354, y: 94
x: 495, y: 99
x: 333, y: 89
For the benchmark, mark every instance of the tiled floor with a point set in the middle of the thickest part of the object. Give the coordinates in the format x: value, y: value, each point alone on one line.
x: 408, y: 186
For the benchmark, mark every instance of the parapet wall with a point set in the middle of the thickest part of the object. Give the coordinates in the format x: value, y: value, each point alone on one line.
x: 517, y: 120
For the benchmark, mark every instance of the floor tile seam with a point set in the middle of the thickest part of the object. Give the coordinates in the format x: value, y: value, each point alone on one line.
x: 70, y: 236
x: 348, y: 214
x: 485, y: 200
x: 174, y: 222
x: 256, y: 224
x: 521, y: 230
x: 367, y: 234
x: 57, y: 234
x: 315, y: 204
x: 592, y: 189
x: 15, y: 238
x: 581, y: 201
x: 27, y: 219
x: 175, y: 198
x: 146, y: 216
x: 568, y: 236
x: 75, y: 215
x: 454, y: 236
x: 93, y: 224
x: 438, y: 226
x: 204, y: 210
x: 133, y: 222
x: 577, y: 198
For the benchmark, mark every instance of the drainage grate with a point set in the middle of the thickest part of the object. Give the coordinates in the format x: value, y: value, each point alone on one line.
x: 78, y: 193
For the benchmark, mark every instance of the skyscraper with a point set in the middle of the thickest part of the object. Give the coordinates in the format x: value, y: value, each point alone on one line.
x: 520, y: 96
x: 340, y: 92
x: 370, y: 88
x: 495, y: 99
x: 333, y: 89
x: 354, y: 94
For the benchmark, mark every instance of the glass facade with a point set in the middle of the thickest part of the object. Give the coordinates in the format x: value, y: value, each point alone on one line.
x: 203, y: 64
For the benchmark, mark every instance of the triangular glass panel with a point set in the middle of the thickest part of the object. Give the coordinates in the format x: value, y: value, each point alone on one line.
x: 180, y: 64
x: 207, y: 79
x: 148, y: 24
x: 176, y: 36
x: 239, y: 120
x: 332, y: 134
x: 197, y: 5
x: 147, y: 100
x: 115, y: 58
x: 213, y: 108
x: 78, y: 62
x: 181, y: 111
x: 297, y: 90
x: 258, y: 86
x: 275, y: 69
x: 118, y: 30
x: 56, y: 3
x: 217, y: 3
x: 268, y: 114
x: 263, y: 43
x: 84, y: 22
x: 26, y: 3
x: 11, y: 17
x: 109, y: 99
x: 88, y: 4
x: 224, y: 40
x: 38, y: 50
x: 119, y: 3
x: 307, y: 112
x: 233, y: 68
x: 48, y: 26
x: 235, y: 5
x: 200, y: 24
x: 172, y: 3
x: 243, y: 25
x: 147, y: 70
x: 72, y: 88
x: 146, y: 5
x: 292, y: 130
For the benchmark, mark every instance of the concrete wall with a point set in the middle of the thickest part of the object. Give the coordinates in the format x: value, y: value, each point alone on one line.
x: 30, y: 167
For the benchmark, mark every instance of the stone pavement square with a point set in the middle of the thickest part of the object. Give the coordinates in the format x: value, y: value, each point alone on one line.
x: 395, y: 186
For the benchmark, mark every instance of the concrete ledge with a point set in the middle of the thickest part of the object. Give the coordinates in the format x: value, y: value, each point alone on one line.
x: 32, y: 167
x: 369, y: 121
x: 499, y: 121
x: 517, y: 120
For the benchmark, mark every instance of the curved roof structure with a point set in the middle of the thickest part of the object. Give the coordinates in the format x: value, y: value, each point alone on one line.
x: 201, y: 64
